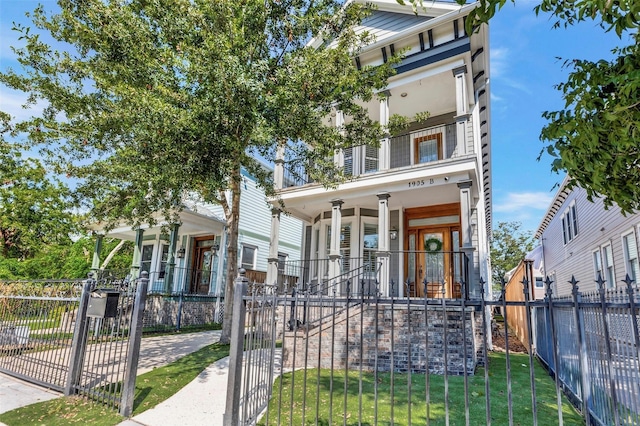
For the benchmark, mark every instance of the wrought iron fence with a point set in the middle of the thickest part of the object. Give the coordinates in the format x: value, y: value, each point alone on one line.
x: 79, y: 337
x: 324, y: 357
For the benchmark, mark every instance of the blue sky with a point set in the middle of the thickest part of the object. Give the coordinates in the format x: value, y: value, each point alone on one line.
x: 524, y: 69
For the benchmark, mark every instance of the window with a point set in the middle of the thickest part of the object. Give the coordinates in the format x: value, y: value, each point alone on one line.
x: 607, y: 263
x: 630, y: 249
x: 428, y: 148
x: 597, y: 263
x: 345, y: 245
x: 248, y: 257
x: 163, y: 260
x: 282, y: 260
x: 539, y: 282
x: 569, y: 223
x: 145, y: 260
x: 370, y: 159
x: 370, y: 246
x: 348, y: 161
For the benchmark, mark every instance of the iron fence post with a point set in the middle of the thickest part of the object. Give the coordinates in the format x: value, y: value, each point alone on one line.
x: 585, y: 387
x: 527, y: 308
x: 634, y: 318
x: 554, y: 344
x: 133, y: 351
x: 179, y: 317
x: 231, y: 415
x: 79, y: 339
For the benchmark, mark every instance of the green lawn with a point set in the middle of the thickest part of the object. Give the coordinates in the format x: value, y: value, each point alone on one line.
x: 151, y: 389
x: 521, y: 394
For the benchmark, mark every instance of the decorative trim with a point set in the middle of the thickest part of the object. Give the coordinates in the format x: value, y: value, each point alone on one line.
x: 460, y: 70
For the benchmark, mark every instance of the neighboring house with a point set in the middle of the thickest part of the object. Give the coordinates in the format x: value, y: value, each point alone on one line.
x: 531, y: 268
x: 420, y: 203
x: 190, y: 256
x: 583, y: 239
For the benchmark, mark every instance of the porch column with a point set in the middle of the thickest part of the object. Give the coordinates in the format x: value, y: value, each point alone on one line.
x: 137, y: 255
x: 384, y: 242
x: 278, y: 170
x: 272, y: 267
x: 465, y: 214
x: 385, y: 147
x: 462, y: 108
x: 95, y: 262
x: 334, y: 246
x: 171, y: 258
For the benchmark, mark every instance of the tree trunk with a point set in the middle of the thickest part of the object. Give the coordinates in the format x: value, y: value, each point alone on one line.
x: 233, y: 219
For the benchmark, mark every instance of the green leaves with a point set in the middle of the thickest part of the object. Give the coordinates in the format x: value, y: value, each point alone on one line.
x: 509, y: 246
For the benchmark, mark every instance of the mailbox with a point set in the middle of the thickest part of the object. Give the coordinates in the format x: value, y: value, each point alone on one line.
x: 103, y: 303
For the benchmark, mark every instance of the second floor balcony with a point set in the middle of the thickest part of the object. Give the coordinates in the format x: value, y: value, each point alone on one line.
x: 423, y: 147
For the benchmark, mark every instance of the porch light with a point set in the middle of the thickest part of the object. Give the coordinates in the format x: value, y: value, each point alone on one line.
x: 181, y: 253
x: 393, y: 234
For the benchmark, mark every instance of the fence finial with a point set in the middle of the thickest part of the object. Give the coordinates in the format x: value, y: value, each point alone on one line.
x: 503, y: 285
x: 629, y: 282
x: 242, y: 272
x: 482, y: 283
x: 574, y: 285
x: 548, y: 292
x: 600, y: 281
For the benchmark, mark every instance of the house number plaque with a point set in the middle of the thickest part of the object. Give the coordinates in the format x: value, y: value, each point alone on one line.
x: 421, y: 182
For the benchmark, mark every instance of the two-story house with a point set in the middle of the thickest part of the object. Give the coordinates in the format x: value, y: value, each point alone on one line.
x: 420, y: 204
x: 581, y: 238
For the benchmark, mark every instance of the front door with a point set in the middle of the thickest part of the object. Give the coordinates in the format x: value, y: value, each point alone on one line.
x: 203, y: 256
x: 432, y: 261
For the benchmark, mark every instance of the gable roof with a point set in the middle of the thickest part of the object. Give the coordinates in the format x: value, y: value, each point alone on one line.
x: 556, y: 203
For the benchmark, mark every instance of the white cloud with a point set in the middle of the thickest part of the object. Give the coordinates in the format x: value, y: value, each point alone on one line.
x: 499, y: 61
x: 516, y: 202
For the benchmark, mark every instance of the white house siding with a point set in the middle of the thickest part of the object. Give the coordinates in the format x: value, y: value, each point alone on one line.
x: 596, y: 227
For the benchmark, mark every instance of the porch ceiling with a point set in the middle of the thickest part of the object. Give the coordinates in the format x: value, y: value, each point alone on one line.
x: 191, y: 223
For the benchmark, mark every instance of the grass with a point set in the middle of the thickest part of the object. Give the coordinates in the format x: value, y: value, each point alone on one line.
x: 320, y: 386
x: 151, y: 389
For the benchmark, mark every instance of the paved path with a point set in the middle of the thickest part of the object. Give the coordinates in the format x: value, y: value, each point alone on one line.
x: 154, y: 352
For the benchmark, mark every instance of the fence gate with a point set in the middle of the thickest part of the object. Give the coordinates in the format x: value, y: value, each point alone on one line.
x: 78, y: 337
x: 36, y: 330
x: 106, y: 342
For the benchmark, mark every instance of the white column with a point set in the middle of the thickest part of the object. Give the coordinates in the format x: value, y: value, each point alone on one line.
x: 137, y: 255
x: 462, y: 108
x: 278, y: 170
x: 384, y: 152
x: 465, y: 214
x: 272, y: 266
x: 384, y: 242
x: 334, y: 246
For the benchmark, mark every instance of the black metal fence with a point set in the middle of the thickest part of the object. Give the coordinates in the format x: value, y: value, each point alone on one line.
x: 590, y: 342
x: 79, y: 337
x: 326, y: 357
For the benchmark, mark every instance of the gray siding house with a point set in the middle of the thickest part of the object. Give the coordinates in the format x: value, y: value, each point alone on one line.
x: 583, y: 239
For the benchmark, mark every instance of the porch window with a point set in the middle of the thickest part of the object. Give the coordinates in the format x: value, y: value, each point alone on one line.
x: 428, y: 148
x: 145, y: 260
x: 370, y: 246
x: 248, y: 258
x: 345, y: 245
x: 282, y: 260
x: 630, y: 249
x: 370, y: 159
x: 163, y: 260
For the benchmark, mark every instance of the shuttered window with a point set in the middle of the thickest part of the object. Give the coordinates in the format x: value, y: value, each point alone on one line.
x: 370, y: 246
x: 348, y: 161
x: 370, y: 159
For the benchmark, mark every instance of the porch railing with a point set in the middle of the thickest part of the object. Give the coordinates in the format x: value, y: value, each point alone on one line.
x: 424, y: 146
x: 414, y: 274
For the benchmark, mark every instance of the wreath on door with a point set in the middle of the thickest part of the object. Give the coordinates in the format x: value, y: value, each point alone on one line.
x: 432, y: 245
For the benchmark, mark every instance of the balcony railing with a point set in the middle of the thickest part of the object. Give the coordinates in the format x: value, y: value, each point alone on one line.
x: 425, y: 146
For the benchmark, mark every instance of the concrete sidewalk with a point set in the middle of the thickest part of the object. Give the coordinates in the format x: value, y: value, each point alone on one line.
x: 154, y: 352
x: 201, y: 402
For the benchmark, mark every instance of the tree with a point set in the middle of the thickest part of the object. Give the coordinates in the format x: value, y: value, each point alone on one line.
x: 35, y: 209
x: 151, y: 101
x: 595, y: 138
x: 509, y: 246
